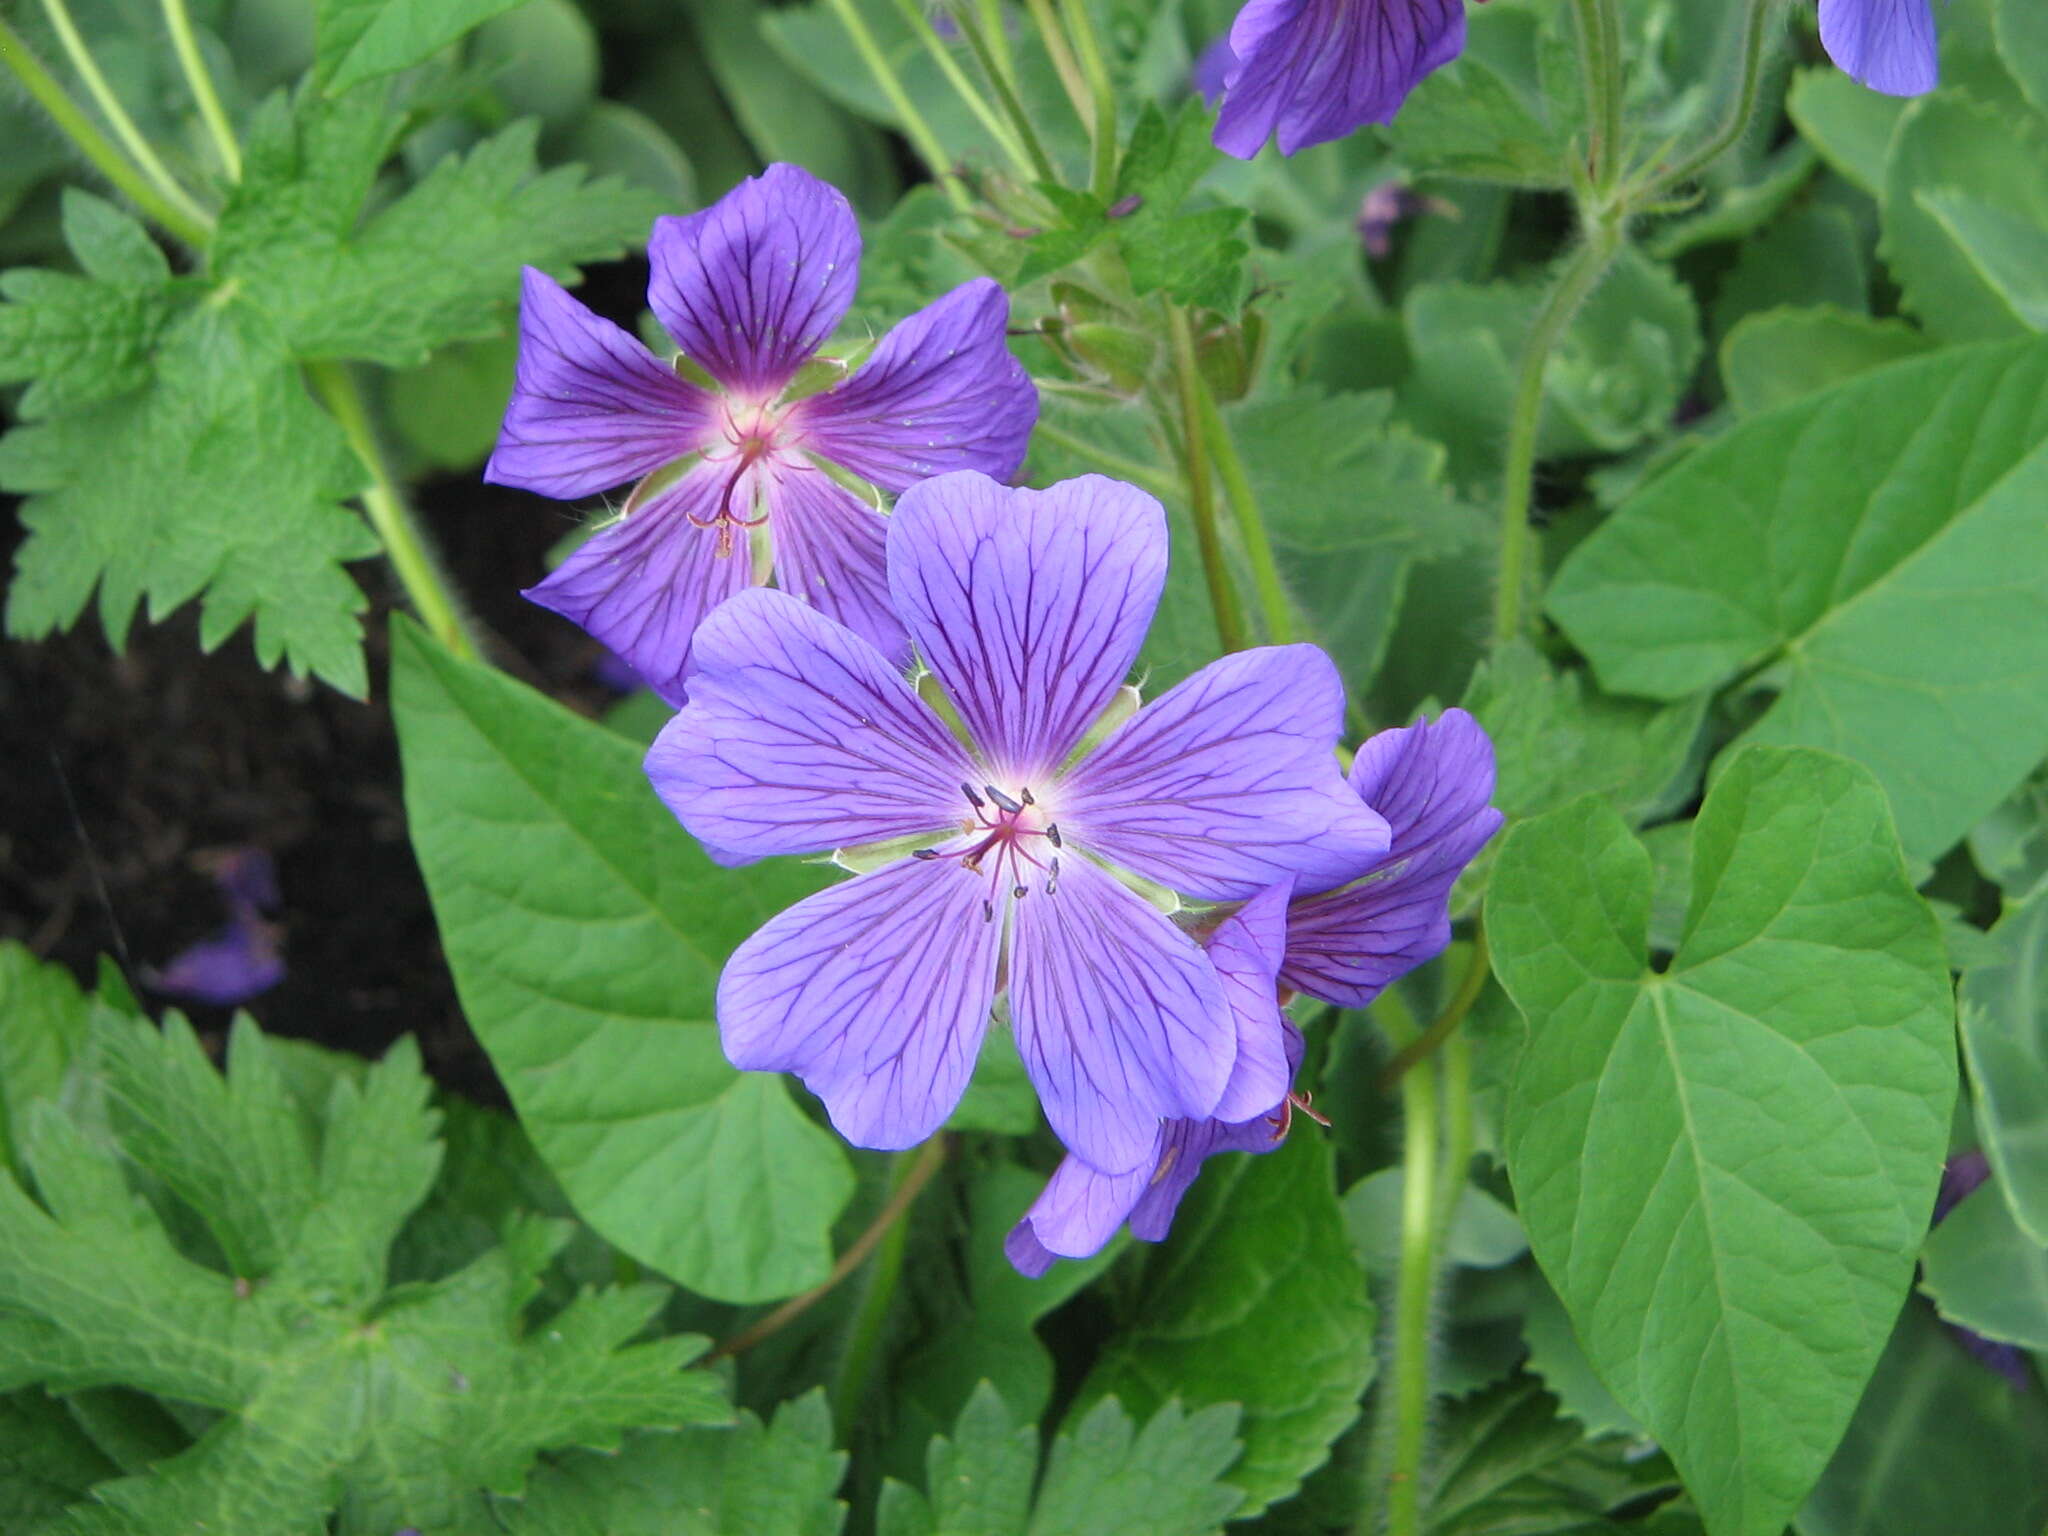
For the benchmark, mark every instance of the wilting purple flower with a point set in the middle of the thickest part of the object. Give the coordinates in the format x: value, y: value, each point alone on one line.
x: 1310, y: 71
x: 1080, y: 1208
x: 749, y: 288
x: 244, y: 958
x: 1432, y: 782
x: 1029, y: 608
x: 1888, y: 45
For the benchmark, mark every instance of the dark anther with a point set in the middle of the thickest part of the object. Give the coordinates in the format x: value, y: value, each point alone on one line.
x: 988, y: 911
x: 1024, y: 794
x: 1052, y: 834
x: 1002, y: 799
x: 924, y: 853
x: 1019, y: 892
x: 972, y: 798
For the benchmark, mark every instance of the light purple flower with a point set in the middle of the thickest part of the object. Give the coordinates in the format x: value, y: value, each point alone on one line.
x: 1029, y: 608
x: 1080, y: 1208
x: 1432, y: 782
x: 732, y: 481
x: 1309, y: 71
x: 1888, y: 45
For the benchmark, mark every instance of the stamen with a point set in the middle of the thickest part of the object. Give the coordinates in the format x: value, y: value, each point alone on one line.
x: 925, y: 853
x: 1024, y: 794
x: 1052, y: 835
x: 1003, y: 800
x: 1166, y: 1163
x: 988, y: 911
x: 972, y: 798
x: 1019, y: 892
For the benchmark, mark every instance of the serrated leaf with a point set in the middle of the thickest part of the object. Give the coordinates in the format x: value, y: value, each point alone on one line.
x: 1725, y: 1167
x: 1851, y: 125
x: 2005, y: 1042
x: 46, y: 1461
x: 1875, y: 553
x: 585, y: 930
x: 43, y: 1017
x: 1781, y: 355
x: 1255, y: 1299
x: 2008, y: 250
x: 359, y: 40
x: 1506, y: 1462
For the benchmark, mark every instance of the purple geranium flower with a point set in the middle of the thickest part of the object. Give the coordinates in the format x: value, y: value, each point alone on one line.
x: 1888, y: 45
x: 1029, y: 608
x: 1432, y: 782
x: 1313, y: 70
x: 749, y: 288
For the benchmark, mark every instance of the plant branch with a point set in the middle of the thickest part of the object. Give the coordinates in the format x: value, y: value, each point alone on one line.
x: 1062, y: 55
x: 1755, y: 34
x: 915, y: 128
x: 1230, y: 625
x: 993, y: 56
x: 1102, y: 95
x: 1244, y: 507
x: 1167, y: 487
x: 984, y: 114
x: 1415, y: 1285
x: 1424, y: 1045
x: 179, y: 21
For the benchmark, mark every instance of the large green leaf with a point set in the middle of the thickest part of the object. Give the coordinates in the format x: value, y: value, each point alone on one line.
x: 2005, y: 1041
x: 1726, y: 1166
x: 1257, y: 1299
x: 1877, y: 554
x: 586, y: 930
x: 1782, y: 355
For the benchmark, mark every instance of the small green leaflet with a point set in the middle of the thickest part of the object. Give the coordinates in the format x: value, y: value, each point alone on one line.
x: 1782, y: 355
x: 43, y: 1019
x: 359, y: 40
x: 586, y: 930
x: 1726, y: 1167
x: 1876, y: 554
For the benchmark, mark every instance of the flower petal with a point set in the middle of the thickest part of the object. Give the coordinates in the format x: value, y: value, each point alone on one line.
x: 1246, y: 949
x: 1312, y: 70
x: 1888, y: 45
x: 1120, y: 1018
x: 1432, y: 782
x: 1228, y: 782
x: 875, y: 992
x: 1075, y: 1215
x: 1029, y: 606
x: 591, y: 408
x: 941, y: 392
x: 1184, y: 1145
x: 831, y: 550
x: 756, y: 283
x: 643, y: 584
x: 799, y: 737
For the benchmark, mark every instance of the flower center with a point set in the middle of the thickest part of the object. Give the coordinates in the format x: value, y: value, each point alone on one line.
x: 751, y: 430
x: 1007, y: 834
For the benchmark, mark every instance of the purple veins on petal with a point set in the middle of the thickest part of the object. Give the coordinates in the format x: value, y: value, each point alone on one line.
x: 1432, y: 782
x: 1309, y: 71
x: 800, y: 737
x: 1229, y: 782
x: 941, y: 392
x: 753, y: 285
x: 1028, y: 606
x: 1888, y: 45
x: 831, y: 551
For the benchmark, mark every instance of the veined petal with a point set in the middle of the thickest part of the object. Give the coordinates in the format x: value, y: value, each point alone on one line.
x: 941, y: 392
x: 1076, y: 1213
x: 1313, y: 70
x: 1029, y: 606
x: 1120, y: 1017
x: 1246, y: 949
x: 1228, y: 782
x: 1432, y: 782
x: 875, y: 992
x: 643, y: 584
x: 831, y: 550
x: 799, y: 736
x: 591, y: 408
x: 1888, y: 45
x: 1184, y: 1145
x: 754, y: 284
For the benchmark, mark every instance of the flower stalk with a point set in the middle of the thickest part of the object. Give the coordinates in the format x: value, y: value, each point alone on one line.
x: 1415, y: 1284
x: 179, y: 22
x: 1274, y: 603
x: 1755, y: 34
x: 1230, y: 625
x: 915, y: 128
x: 1101, y: 95
x: 991, y: 124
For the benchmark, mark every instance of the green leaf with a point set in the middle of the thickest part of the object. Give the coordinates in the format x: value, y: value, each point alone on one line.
x: 1875, y: 554
x: 1725, y: 1168
x: 2008, y: 251
x: 2005, y: 1043
x: 46, y: 1461
x: 1940, y: 1443
x: 699, y: 1482
x: 1483, y: 1234
x: 362, y: 39
x: 2022, y: 32
x: 43, y: 1017
x: 586, y: 930
x: 1994, y: 163
x: 1556, y: 1356
x: 1254, y: 1299
x: 1505, y: 1461
x: 448, y: 410
x: 1814, y: 255
x: 1781, y: 355
x: 1486, y: 116
x: 1197, y: 258
x: 1851, y: 125
x: 1984, y: 1274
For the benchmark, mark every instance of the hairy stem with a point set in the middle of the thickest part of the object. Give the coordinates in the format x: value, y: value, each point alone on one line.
x: 1442, y: 1027
x: 403, y: 543
x: 992, y: 51
x: 1230, y: 626
x: 1063, y: 63
x: 992, y: 28
x: 1408, y: 1390
x: 956, y: 77
x: 915, y: 128
x: 1244, y: 508
x: 856, y: 1366
x: 1102, y: 95
x: 179, y: 21
x: 1755, y: 34
x: 1166, y: 487
x: 173, y: 212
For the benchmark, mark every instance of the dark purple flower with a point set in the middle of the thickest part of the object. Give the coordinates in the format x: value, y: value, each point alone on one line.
x: 1080, y: 1208
x: 1028, y: 607
x: 1888, y: 45
x: 1432, y: 782
x: 1309, y: 71
x: 732, y: 482
x: 244, y: 958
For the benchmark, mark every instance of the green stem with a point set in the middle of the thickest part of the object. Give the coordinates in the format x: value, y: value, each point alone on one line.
x: 1166, y: 487
x: 123, y: 125
x: 1600, y: 81
x: 1409, y: 1389
x: 992, y: 125
x: 1244, y: 508
x: 1755, y: 34
x: 192, y: 226
x: 388, y: 514
x: 1062, y: 56
x: 1002, y: 78
x: 1101, y: 93
x: 186, y: 46
x: 915, y: 128
x: 991, y: 26
x: 1444, y: 1025
x: 856, y: 1365
x: 1581, y: 275
x: 1230, y: 626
